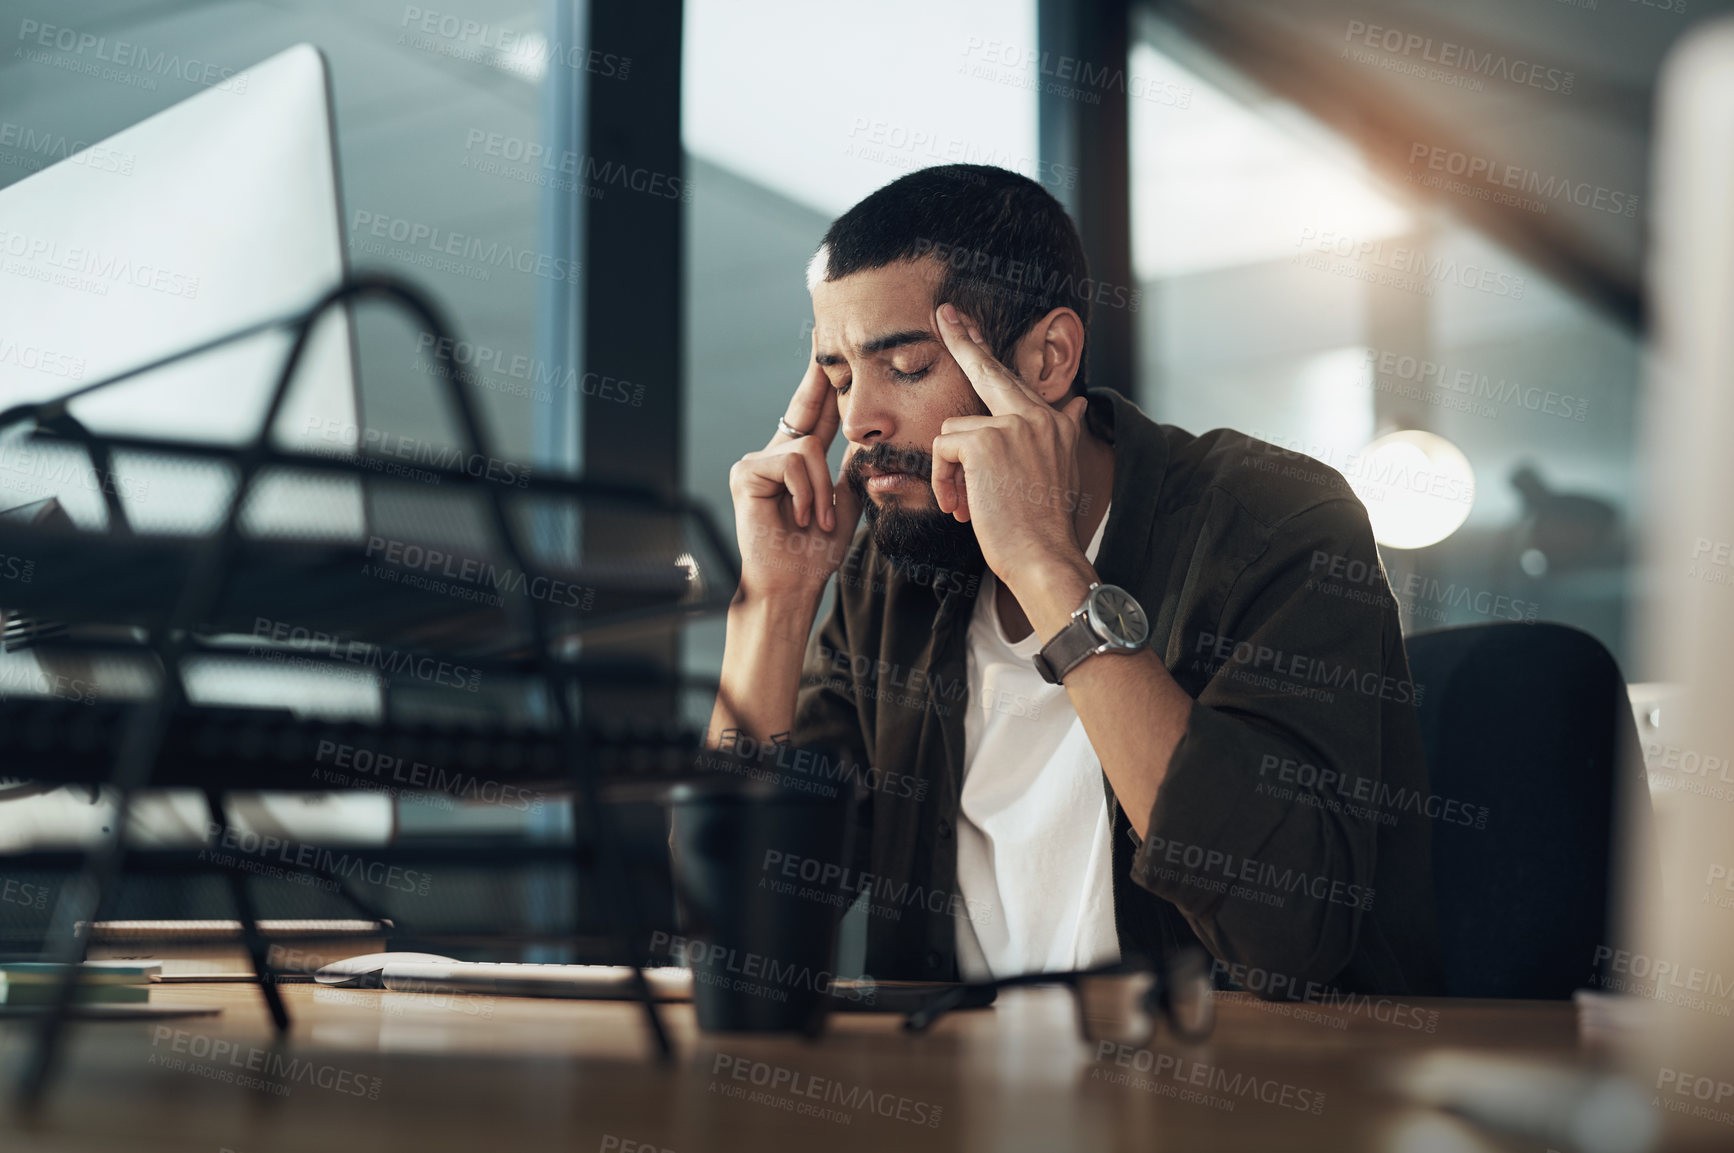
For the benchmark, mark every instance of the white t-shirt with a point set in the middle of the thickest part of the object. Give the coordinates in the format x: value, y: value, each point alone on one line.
x: 1034, y: 835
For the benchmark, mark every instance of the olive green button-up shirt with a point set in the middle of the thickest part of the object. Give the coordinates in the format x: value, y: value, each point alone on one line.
x: 1290, y: 834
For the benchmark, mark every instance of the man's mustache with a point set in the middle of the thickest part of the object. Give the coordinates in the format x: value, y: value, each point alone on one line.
x: 887, y: 458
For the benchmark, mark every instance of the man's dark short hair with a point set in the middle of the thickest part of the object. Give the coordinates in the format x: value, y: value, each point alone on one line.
x: 1010, y: 252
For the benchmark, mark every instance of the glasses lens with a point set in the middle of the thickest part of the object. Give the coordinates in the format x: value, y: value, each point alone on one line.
x: 1191, y: 998
x: 1117, y: 1008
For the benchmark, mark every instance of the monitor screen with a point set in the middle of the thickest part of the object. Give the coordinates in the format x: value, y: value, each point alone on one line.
x: 213, y: 215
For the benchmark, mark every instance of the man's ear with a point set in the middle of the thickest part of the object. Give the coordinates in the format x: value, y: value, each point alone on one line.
x: 1050, y: 353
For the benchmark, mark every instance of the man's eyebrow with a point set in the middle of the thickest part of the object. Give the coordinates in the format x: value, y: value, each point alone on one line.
x: 880, y: 344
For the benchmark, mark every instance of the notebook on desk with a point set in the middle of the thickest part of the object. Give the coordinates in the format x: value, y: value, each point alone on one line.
x: 216, y: 950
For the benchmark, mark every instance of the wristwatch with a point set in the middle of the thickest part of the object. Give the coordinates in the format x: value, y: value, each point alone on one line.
x: 1109, y: 621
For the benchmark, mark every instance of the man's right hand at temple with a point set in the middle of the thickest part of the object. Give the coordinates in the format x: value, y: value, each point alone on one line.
x: 794, y: 524
x: 791, y: 535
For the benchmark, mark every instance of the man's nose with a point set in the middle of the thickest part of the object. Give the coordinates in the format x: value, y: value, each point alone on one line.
x: 867, y: 419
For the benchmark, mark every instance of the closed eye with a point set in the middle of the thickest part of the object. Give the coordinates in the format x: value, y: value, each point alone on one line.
x: 897, y: 375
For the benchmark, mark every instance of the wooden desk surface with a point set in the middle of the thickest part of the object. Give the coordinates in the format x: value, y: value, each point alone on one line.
x: 411, y: 1073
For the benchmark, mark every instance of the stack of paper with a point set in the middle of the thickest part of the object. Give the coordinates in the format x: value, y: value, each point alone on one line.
x: 38, y: 982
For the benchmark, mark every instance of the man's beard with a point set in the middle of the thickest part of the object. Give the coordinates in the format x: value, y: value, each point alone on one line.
x: 910, y: 537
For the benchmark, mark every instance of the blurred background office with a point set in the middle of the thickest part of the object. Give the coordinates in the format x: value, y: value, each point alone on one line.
x: 1325, y: 224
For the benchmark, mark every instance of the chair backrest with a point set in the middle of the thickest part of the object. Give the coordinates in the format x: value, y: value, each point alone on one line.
x: 1530, y: 722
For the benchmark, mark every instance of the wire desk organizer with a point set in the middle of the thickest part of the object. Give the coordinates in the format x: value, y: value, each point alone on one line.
x: 181, y: 590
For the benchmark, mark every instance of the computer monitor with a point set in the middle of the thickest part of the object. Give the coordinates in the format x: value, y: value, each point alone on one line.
x: 213, y: 215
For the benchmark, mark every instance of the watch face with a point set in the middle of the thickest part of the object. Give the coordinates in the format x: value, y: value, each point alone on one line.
x: 1117, y: 617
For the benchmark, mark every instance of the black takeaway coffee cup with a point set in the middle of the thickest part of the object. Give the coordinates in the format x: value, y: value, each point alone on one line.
x: 762, y: 864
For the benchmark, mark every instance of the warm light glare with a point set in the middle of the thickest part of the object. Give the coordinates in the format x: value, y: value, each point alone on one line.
x: 1417, y: 486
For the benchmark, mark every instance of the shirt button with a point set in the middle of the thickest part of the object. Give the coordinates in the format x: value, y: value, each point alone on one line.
x: 944, y: 828
x: 933, y: 958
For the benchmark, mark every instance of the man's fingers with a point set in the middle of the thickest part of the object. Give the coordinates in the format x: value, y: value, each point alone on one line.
x: 997, y: 386
x: 846, y: 510
x: 807, y: 407
x: 830, y: 417
x: 800, y: 487
x: 947, y: 476
x: 818, y: 475
x: 944, y: 483
x: 819, y: 472
x: 798, y: 470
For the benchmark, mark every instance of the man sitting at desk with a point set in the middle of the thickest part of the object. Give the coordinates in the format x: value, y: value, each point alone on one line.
x: 1117, y: 660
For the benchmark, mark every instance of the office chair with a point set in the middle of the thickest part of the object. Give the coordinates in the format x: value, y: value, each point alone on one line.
x: 1533, y: 722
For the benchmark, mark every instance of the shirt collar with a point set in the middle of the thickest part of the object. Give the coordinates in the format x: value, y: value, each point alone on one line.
x: 1140, y: 465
